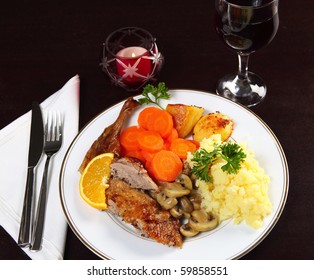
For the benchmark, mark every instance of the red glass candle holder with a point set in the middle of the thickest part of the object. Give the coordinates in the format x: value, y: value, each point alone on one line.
x: 131, y: 58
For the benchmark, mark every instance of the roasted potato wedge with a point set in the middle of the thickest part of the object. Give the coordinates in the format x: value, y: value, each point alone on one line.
x: 185, y: 117
x: 213, y: 123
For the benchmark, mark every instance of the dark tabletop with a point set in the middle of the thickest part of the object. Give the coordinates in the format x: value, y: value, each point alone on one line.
x: 45, y: 43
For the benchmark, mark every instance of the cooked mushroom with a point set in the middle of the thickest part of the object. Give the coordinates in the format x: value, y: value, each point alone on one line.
x: 186, y: 215
x: 153, y: 194
x: 185, y: 181
x: 187, y: 231
x: 186, y: 204
x: 202, y: 221
x: 175, y: 189
x: 196, y: 199
x: 176, y: 212
x: 166, y: 202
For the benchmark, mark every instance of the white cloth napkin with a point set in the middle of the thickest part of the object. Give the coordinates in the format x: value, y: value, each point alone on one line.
x: 14, y: 143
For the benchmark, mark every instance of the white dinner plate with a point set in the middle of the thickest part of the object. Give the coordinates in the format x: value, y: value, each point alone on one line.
x: 110, y: 238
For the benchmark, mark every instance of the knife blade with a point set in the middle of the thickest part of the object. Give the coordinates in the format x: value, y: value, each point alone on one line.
x: 34, y: 153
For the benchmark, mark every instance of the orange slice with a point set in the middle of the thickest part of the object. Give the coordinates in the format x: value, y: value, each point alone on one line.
x: 94, y: 181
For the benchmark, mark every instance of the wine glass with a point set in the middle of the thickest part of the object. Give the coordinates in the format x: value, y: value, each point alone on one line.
x: 245, y: 26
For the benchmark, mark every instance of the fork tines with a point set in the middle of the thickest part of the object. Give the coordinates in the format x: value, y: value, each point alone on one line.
x: 53, y: 126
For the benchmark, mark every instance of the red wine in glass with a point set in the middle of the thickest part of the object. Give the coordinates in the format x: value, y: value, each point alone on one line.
x: 245, y: 26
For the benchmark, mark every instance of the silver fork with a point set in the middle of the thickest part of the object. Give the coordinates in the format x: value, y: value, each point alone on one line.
x: 52, y: 144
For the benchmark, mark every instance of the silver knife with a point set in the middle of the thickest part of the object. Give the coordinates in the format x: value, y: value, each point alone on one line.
x: 35, y: 150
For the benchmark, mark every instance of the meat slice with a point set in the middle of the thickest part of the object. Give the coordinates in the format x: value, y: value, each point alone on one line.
x: 132, y: 172
x: 108, y: 141
x: 144, y: 213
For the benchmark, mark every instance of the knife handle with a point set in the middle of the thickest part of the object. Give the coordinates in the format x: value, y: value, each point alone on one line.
x: 26, y: 219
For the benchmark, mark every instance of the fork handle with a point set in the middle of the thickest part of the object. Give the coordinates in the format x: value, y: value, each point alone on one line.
x: 38, y: 229
x: 27, y: 215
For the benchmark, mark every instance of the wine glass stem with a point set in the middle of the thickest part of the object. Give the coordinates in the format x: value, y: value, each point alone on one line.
x: 243, y: 65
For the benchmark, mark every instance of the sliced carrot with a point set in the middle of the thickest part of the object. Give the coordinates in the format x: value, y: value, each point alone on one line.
x: 150, y: 141
x: 196, y: 143
x: 182, y: 146
x: 148, y: 156
x: 166, y: 145
x: 128, y: 138
x: 161, y: 121
x: 172, y: 136
x: 144, y: 116
x: 135, y: 154
x: 165, y: 166
x: 148, y: 167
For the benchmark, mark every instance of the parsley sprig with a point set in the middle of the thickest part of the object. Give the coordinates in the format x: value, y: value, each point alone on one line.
x: 153, y: 94
x: 231, y: 152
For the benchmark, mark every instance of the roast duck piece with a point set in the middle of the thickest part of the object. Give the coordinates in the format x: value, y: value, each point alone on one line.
x: 144, y: 213
x: 132, y: 172
x: 126, y: 196
x: 108, y: 141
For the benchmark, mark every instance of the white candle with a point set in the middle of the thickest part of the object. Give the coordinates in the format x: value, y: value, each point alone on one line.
x: 131, y: 52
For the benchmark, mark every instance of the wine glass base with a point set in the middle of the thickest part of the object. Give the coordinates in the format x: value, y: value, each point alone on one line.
x: 249, y: 92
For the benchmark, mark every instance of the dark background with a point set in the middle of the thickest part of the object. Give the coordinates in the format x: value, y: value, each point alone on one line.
x: 45, y: 43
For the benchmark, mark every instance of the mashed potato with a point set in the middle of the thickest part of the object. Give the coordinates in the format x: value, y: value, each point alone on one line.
x: 242, y: 196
